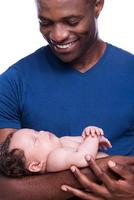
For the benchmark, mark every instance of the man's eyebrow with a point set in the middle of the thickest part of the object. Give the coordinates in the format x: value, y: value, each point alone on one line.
x: 64, y: 18
x: 41, y: 17
x: 73, y: 16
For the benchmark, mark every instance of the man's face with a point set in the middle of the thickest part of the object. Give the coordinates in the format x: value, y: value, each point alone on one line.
x: 69, y: 26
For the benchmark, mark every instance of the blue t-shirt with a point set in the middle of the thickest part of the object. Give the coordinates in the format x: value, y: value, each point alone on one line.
x: 43, y: 93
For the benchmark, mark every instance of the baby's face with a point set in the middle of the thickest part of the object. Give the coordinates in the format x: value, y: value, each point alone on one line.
x: 36, y: 145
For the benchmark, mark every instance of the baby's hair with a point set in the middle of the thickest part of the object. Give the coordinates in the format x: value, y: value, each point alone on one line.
x: 12, y: 163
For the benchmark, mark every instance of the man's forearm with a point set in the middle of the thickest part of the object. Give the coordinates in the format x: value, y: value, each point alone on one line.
x: 39, y: 187
x: 36, y: 187
x: 48, y: 186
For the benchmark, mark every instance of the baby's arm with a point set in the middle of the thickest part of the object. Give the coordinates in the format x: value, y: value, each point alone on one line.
x: 63, y: 158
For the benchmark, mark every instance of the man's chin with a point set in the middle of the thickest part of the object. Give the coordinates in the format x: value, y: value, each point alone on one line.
x: 66, y: 58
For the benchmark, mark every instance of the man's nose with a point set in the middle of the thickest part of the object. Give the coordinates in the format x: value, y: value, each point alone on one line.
x: 59, y: 33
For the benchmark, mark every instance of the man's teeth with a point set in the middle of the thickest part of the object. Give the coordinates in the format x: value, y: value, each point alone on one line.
x: 64, y: 46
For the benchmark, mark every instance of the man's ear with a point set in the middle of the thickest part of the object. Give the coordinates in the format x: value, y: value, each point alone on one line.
x: 98, y: 7
x: 35, y: 166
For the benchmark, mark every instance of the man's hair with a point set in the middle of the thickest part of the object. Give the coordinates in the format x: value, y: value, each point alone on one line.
x: 12, y: 163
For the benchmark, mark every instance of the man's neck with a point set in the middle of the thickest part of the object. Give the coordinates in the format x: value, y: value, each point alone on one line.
x: 92, y: 56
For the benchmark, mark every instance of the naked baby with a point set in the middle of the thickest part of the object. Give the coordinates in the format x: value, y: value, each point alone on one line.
x: 27, y: 151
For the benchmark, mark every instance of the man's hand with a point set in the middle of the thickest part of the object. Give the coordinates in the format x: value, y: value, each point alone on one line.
x: 121, y: 187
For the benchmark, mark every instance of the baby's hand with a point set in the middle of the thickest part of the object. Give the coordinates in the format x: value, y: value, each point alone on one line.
x: 104, y: 143
x: 93, y: 131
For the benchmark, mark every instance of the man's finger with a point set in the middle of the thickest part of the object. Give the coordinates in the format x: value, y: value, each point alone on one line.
x: 83, y: 179
x: 102, y: 176
x: 121, y: 170
x: 128, y: 160
x: 88, y: 184
x: 97, y: 170
x: 79, y: 193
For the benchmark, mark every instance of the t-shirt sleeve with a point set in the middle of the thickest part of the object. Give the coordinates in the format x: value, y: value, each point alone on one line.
x: 10, y: 99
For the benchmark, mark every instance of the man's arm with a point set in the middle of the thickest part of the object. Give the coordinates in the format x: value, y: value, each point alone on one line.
x: 34, y: 187
x: 44, y: 186
x: 4, y: 132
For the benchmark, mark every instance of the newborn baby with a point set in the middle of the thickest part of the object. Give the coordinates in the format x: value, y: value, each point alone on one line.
x: 27, y: 151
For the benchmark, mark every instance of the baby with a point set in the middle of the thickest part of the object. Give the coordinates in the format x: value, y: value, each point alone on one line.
x: 27, y: 151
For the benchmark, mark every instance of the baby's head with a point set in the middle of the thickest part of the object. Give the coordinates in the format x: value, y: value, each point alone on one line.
x: 12, y: 163
x: 25, y: 152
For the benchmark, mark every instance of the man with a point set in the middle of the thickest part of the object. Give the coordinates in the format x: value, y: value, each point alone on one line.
x: 77, y: 80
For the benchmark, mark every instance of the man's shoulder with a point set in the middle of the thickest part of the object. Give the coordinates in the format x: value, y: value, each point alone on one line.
x: 118, y: 56
x: 30, y: 63
x: 37, y: 56
x: 118, y: 51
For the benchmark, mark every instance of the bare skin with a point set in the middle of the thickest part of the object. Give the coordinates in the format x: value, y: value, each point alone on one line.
x: 71, y: 25
x: 86, y: 50
x: 47, y: 186
x: 34, y: 187
x: 108, y: 189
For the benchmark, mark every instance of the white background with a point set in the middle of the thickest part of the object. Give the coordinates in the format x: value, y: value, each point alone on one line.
x: 19, y: 30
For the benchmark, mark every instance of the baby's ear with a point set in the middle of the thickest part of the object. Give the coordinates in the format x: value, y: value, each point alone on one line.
x: 35, y: 166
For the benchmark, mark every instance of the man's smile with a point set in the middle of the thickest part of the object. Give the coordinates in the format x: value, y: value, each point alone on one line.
x: 63, y: 47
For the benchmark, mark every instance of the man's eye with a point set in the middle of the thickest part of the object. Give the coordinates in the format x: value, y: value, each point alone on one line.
x: 73, y: 22
x: 45, y: 23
